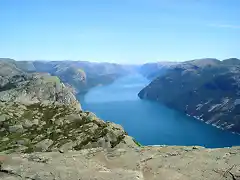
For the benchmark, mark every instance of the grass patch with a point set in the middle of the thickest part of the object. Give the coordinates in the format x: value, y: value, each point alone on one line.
x: 53, y: 79
x: 137, y: 143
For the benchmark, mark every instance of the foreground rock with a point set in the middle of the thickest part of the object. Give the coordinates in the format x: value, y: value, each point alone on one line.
x: 148, y: 163
x: 55, y: 127
x: 207, y: 89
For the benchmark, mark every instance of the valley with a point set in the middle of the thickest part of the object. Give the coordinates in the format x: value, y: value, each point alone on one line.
x: 119, y: 90
x: 50, y: 130
x: 151, y: 123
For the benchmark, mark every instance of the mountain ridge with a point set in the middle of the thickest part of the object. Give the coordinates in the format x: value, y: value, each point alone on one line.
x: 92, y: 74
x: 206, y: 89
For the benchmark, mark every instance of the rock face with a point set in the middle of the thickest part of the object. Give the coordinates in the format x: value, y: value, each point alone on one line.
x: 27, y: 88
x: 207, y: 89
x: 55, y: 127
x: 33, y: 88
x: 148, y: 163
x: 38, y: 113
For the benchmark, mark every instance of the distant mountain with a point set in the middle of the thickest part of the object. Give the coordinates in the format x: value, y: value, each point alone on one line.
x: 231, y: 61
x: 153, y: 70
x: 207, y: 89
x: 80, y: 75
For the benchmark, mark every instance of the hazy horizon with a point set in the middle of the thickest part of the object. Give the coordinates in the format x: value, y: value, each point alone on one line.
x: 121, y: 63
x: 125, y: 32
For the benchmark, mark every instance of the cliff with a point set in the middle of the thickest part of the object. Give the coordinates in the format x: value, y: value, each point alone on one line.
x: 39, y: 113
x: 207, y: 89
x: 44, y: 135
x: 55, y: 127
x: 27, y: 88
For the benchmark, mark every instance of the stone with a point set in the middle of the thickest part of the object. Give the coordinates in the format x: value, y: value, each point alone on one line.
x: 16, y: 128
x: 123, y: 164
x: 66, y: 147
x: 43, y: 145
x: 5, y: 139
x: 22, y: 141
x: 2, y: 118
x: 27, y: 123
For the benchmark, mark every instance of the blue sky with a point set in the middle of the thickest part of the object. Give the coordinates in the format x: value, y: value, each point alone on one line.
x: 123, y: 31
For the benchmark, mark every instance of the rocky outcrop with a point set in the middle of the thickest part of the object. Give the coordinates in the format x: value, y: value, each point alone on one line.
x: 55, y: 127
x: 207, y: 89
x: 148, y: 163
x: 17, y: 85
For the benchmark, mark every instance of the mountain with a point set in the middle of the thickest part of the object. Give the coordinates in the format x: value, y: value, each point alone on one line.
x: 207, y: 89
x: 153, y: 70
x: 27, y: 88
x: 79, y: 75
x: 45, y: 135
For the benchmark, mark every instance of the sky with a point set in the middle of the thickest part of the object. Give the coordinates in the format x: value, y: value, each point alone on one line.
x: 122, y: 31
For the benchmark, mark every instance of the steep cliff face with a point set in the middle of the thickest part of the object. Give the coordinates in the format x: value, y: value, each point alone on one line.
x: 39, y: 113
x: 207, y: 89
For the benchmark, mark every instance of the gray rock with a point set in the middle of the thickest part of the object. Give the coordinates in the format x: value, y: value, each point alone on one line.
x: 22, y: 141
x: 2, y: 118
x: 66, y: 147
x: 43, y: 145
x: 16, y: 128
x: 150, y: 163
x: 5, y: 139
x: 27, y: 123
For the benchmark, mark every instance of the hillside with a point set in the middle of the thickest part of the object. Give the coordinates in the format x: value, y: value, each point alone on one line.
x: 80, y: 75
x: 54, y: 126
x: 39, y: 113
x: 207, y: 89
x: 28, y: 88
x: 153, y: 70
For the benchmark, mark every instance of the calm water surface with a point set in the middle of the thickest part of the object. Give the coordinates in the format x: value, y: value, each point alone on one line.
x: 148, y: 122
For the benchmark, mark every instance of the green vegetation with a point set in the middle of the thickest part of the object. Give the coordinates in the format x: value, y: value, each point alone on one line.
x: 44, y: 127
x: 51, y: 79
x: 137, y: 143
x: 81, y: 71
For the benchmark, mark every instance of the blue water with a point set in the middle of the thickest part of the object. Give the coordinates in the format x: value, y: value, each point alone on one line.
x: 151, y: 123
